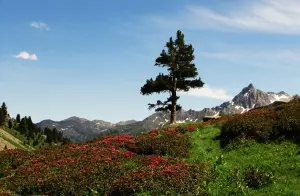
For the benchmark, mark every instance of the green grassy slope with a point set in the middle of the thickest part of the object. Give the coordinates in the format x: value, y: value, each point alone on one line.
x: 12, y: 140
x: 282, y: 160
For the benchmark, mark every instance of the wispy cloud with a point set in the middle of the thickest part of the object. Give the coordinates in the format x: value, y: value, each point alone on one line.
x: 40, y: 25
x: 283, y: 57
x: 272, y: 16
x: 27, y: 56
x: 206, y: 91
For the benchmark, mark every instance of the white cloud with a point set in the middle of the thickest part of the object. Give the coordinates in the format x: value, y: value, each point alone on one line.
x: 27, y: 56
x: 40, y: 25
x: 272, y: 16
x: 206, y: 91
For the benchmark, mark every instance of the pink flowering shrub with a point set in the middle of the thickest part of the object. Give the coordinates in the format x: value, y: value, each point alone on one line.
x: 264, y: 124
x: 168, y: 141
x: 109, y: 165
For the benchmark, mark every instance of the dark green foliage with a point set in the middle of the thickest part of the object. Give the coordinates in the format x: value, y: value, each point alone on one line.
x: 2, y: 119
x: 18, y: 118
x: 10, y: 124
x: 178, y: 59
x: 53, y: 135
x: 4, y: 109
x: 255, y: 177
x: 3, y: 114
x: 66, y: 141
x: 32, y: 132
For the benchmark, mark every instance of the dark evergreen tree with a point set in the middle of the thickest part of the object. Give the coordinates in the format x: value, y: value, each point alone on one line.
x: 4, y: 109
x: 23, y: 127
x: 18, y: 118
x: 10, y: 124
x: 66, y: 141
x: 32, y: 129
x: 179, y: 62
x: 1, y: 118
x: 35, y: 142
x: 30, y: 124
x: 55, y: 135
x: 60, y: 136
x: 48, y: 133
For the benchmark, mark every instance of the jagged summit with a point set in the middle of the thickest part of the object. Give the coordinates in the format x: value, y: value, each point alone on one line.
x: 247, y: 89
x: 250, y: 86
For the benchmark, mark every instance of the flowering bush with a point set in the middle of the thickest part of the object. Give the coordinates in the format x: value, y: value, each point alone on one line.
x: 163, y: 142
x: 107, y: 165
x: 220, y: 120
x: 164, y: 175
x: 263, y: 124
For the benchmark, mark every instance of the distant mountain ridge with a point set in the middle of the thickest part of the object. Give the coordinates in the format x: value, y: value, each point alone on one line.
x: 80, y: 129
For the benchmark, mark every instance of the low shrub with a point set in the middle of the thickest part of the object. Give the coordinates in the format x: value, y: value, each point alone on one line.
x: 169, y: 141
x: 218, y: 121
x: 158, y: 175
x: 264, y: 124
x: 256, y: 178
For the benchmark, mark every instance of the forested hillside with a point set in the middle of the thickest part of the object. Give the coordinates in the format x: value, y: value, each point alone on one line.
x: 21, y: 132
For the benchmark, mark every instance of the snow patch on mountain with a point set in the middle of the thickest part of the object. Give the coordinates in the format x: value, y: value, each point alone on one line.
x: 279, y: 97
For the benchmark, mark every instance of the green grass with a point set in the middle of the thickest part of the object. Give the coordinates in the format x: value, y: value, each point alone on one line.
x: 15, y: 133
x: 11, y: 142
x: 282, y: 160
x: 19, y: 136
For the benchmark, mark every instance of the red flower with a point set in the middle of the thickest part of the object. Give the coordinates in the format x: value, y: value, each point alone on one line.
x: 84, y: 170
x: 4, y: 194
x: 40, y: 181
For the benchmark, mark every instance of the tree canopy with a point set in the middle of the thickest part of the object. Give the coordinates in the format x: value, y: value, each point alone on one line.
x: 181, y: 76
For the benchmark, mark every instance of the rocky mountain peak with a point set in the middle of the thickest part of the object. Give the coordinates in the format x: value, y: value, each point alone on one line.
x: 247, y: 97
x: 246, y: 90
x: 250, y: 86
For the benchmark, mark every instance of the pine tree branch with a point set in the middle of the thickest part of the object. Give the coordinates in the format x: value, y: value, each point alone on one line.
x: 160, y: 84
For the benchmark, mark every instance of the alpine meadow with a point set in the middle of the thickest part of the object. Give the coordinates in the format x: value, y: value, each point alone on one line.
x: 74, y: 119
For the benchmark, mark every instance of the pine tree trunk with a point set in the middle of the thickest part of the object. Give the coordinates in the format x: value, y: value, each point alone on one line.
x: 173, y: 113
x: 174, y: 103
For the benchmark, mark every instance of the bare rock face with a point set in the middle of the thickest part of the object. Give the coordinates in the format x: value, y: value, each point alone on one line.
x: 80, y: 129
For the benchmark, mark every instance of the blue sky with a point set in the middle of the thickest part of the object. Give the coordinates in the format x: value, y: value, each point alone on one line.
x: 90, y: 58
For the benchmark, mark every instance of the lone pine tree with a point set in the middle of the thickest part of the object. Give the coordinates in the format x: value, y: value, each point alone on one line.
x: 178, y: 59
